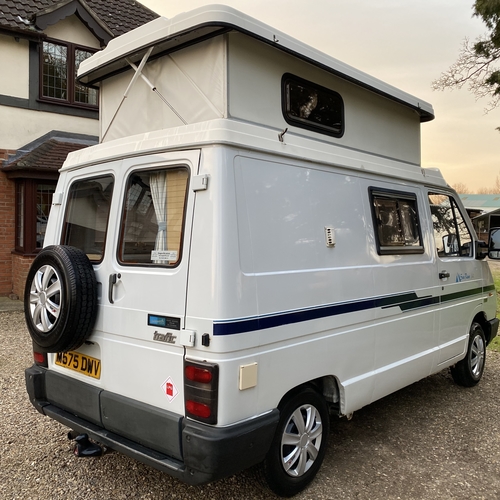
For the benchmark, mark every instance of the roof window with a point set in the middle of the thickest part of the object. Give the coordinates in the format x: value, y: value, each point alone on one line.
x: 311, y: 106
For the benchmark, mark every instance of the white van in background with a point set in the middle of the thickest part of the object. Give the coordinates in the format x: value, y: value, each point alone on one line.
x: 252, y: 245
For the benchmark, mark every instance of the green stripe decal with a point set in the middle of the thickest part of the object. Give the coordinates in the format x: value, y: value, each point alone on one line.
x: 463, y: 293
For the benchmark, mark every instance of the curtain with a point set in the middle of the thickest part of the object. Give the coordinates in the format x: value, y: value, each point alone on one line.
x: 158, y: 185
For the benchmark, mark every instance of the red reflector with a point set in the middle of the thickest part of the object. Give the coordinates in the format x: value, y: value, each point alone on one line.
x: 198, y: 409
x: 40, y: 358
x: 198, y: 374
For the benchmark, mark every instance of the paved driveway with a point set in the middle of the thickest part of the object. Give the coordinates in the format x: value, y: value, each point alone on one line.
x: 432, y: 440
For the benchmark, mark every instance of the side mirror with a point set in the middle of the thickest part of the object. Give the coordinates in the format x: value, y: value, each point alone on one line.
x: 494, y: 243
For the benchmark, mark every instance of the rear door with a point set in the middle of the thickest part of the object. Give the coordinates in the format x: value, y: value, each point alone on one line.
x: 142, y: 272
x: 458, y: 276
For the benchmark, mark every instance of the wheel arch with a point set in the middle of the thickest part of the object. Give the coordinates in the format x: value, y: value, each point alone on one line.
x: 480, y: 318
x: 327, y: 386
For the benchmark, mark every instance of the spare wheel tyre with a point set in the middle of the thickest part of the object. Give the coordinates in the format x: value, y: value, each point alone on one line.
x: 60, y: 298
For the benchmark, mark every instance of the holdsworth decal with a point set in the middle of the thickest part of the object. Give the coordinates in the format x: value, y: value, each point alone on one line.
x: 165, y: 337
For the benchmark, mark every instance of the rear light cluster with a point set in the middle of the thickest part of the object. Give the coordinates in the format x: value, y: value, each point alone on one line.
x: 201, y: 390
x: 40, y: 359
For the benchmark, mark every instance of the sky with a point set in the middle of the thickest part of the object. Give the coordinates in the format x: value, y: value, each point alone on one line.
x: 406, y: 43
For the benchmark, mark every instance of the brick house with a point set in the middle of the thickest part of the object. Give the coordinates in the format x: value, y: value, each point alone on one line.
x: 44, y: 112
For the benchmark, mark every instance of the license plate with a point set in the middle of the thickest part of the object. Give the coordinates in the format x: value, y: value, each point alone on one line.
x: 80, y: 363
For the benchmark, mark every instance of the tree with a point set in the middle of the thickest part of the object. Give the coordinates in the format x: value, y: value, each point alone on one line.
x: 476, y: 64
x: 493, y: 189
x: 461, y: 188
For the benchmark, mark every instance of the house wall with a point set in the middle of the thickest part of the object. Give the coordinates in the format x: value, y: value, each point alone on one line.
x: 7, y: 230
x: 19, y: 127
x: 20, y: 267
x: 72, y: 30
x: 14, y: 61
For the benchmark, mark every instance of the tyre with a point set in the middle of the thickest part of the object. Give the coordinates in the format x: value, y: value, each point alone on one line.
x: 299, y: 445
x: 60, y: 298
x: 468, y: 371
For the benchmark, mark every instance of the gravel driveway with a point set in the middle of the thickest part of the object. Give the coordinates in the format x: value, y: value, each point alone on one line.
x: 432, y: 440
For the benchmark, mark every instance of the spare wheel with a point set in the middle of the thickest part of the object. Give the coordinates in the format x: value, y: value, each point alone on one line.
x: 60, y: 298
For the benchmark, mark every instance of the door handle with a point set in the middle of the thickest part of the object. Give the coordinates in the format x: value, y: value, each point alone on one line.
x: 113, y: 278
x: 443, y: 275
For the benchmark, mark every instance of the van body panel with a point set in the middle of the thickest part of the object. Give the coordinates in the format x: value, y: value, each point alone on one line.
x: 257, y: 278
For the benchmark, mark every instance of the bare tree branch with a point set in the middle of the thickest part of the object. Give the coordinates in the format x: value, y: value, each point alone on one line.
x: 475, y: 66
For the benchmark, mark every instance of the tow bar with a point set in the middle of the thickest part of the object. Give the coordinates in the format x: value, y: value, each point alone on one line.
x: 84, y: 447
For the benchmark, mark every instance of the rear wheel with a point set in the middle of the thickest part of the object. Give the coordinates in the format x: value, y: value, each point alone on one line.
x: 468, y: 371
x: 299, y: 445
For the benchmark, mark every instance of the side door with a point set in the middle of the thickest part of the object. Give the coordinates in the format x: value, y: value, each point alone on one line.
x: 142, y: 273
x: 459, y: 274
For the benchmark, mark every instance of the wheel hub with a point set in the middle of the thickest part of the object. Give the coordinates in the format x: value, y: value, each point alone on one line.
x: 304, y: 440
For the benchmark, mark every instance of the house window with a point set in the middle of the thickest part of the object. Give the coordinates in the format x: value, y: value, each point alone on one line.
x: 396, y: 222
x: 59, y: 67
x: 311, y: 106
x: 33, y: 202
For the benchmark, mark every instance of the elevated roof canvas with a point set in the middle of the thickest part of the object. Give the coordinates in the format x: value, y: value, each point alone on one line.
x: 166, y: 35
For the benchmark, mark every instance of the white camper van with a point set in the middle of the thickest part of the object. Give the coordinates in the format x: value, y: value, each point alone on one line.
x: 252, y: 245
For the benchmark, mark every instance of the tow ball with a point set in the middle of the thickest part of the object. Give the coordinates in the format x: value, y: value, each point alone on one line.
x: 84, y: 447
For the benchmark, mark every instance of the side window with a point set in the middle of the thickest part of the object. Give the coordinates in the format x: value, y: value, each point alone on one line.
x: 451, y: 233
x: 87, y: 214
x: 396, y: 221
x: 311, y: 106
x: 153, y: 217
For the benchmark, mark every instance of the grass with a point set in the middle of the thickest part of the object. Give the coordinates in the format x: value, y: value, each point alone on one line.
x: 495, y: 343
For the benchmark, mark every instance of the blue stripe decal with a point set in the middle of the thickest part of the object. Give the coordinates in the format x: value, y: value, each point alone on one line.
x: 405, y: 301
x: 263, y: 322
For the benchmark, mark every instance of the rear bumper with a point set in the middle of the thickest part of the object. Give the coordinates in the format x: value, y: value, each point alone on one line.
x: 193, y: 452
x: 492, y: 329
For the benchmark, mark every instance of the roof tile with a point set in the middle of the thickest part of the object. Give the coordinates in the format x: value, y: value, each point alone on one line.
x: 121, y: 16
x: 49, y: 156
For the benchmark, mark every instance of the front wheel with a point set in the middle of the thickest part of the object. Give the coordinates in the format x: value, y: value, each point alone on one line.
x: 299, y: 445
x: 468, y: 371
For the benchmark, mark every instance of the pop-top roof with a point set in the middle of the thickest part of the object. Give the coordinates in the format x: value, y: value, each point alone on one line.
x: 166, y: 35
